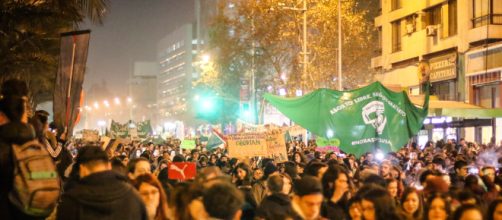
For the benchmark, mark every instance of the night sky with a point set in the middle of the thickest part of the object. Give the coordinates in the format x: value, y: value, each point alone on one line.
x: 130, y: 32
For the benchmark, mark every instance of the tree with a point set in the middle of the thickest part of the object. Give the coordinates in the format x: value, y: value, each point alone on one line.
x: 266, y: 37
x: 29, y: 39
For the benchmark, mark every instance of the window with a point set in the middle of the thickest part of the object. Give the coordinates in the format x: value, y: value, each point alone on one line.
x: 379, y: 48
x: 434, y: 15
x: 396, y: 4
x: 396, y: 36
x: 486, y: 12
x: 452, y: 18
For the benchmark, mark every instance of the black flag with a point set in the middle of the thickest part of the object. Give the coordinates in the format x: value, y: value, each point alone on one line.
x: 69, y: 80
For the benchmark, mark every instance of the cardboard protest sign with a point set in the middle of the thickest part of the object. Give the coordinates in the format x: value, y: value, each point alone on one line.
x: 188, y: 144
x: 90, y: 135
x: 181, y: 170
x: 247, y: 145
x: 105, y: 141
x: 276, y: 145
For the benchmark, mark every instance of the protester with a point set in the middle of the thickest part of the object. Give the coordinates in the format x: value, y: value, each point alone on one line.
x: 468, y: 212
x: 138, y: 166
x: 13, y: 130
x: 153, y: 196
x: 277, y: 205
x: 412, y: 203
x: 495, y: 210
x: 377, y: 204
x: 223, y: 201
x: 100, y: 193
x: 308, y: 198
x: 438, y: 207
x: 335, y: 187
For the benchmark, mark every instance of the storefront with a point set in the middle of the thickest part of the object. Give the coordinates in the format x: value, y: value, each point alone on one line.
x: 484, y: 86
x: 443, y: 75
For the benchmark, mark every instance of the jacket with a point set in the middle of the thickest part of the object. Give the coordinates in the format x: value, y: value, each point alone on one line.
x: 104, y: 195
x: 275, y: 206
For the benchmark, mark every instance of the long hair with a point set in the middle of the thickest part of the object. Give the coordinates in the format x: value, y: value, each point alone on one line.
x: 430, y: 199
x: 491, y: 208
x: 248, y: 179
x: 464, y: 208
x: 329, y: 178
x: 419, y: 213
x: 382, y: 202
x: 152, y: 180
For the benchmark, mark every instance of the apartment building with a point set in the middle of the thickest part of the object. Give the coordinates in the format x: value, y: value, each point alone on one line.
x: 458, y: 41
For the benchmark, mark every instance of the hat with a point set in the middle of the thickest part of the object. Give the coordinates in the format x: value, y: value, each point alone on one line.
x: 91, y: 153
x: 307, y: 185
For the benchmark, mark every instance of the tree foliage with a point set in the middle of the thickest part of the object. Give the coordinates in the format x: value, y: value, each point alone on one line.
x: 273, y: 32
x: 29, y: 38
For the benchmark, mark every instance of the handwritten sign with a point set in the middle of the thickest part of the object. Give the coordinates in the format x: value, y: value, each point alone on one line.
x: 188, y: 144
x: 276, y: 145
x: 90, y: 135
x: 247, y: 145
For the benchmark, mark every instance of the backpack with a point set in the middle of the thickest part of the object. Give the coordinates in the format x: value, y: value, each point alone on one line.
x: 36, y: 183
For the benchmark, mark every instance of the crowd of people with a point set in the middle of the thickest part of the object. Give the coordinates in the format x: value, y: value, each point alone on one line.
x: 454, y: 180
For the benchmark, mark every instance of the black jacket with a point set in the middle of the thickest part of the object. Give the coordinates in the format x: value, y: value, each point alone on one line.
x: 332, y: 210
x: 105, y: 195
x: 275, y: 206
x: 11, y: 133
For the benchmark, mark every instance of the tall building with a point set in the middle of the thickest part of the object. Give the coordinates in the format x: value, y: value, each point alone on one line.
x: 143, y: 91
x: 176, y: 74
x: 450, y: 38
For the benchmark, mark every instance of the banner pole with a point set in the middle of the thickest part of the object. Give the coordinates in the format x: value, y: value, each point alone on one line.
x: 69, y: 84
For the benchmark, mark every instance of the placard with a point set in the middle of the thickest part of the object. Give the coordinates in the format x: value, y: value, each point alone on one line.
x: 188, y: 144
x: 276, y: 145
x: 181, y: 170
x: 247, y: 145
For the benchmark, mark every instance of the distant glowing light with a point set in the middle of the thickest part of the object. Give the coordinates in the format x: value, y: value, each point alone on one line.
x: 106, y: 103
x: 282, y: 92
x: 129, y: 100
x: 117, y: 101
x: 379, y: 156
x: 330, y: 133
x: 96, y: 105
x: 206, y: 58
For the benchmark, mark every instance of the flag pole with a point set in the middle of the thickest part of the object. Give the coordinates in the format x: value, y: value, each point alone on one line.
x: 69, y: 84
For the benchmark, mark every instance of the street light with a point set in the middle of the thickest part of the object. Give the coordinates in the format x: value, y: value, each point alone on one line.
x: 106, y: 103
x: 117, y: 101
x: 206, y: 58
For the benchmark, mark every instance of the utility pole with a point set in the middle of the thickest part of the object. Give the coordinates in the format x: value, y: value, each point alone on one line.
x: 304, y: 46
x: 304, y: 77
x: 340, y: 45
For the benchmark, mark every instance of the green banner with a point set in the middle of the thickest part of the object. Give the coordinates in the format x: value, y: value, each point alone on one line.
x: 144, y: 129
x: 119, y: 130
x: 361, y: 120
x: 188, y: 144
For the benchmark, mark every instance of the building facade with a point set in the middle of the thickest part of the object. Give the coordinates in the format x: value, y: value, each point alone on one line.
x: 143, y: 91
x: 450, y: 38
x: 176, y: 74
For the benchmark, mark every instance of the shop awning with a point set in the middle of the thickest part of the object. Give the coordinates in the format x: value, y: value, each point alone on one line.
x: 456, y: 109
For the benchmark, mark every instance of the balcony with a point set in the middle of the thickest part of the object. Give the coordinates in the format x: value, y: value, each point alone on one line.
x: 492, y: 19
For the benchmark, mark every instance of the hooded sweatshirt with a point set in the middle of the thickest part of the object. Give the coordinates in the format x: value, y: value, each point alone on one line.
x: 104, y: 195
